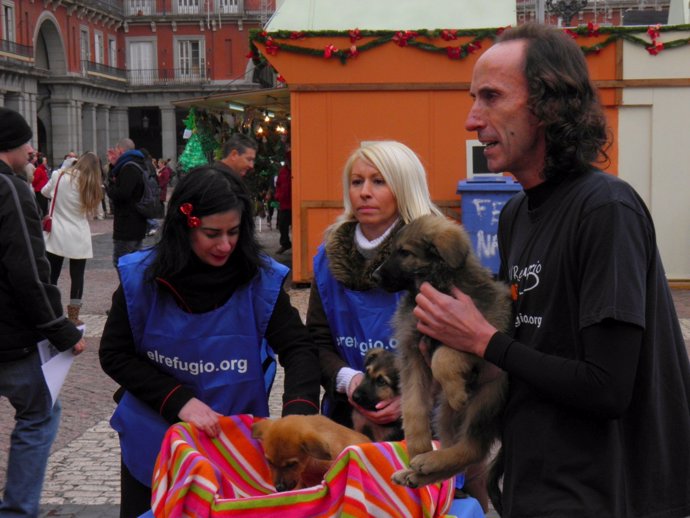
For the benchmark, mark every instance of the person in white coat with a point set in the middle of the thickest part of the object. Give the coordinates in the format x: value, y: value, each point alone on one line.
x: 79, y: 194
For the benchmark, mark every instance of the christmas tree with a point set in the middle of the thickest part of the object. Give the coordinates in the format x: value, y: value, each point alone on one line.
x: 193, y: 154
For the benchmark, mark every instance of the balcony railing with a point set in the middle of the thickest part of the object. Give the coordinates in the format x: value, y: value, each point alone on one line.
x: 103, y: 71
x: 10, y: 49
x: 168, y: 76
x: 107, y: 6
x: 183, y: 7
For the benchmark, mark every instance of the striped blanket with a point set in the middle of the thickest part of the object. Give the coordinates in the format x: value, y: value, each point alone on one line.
x: 228, y: 476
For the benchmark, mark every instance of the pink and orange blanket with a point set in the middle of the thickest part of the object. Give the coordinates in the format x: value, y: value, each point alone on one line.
x: 228, y: 476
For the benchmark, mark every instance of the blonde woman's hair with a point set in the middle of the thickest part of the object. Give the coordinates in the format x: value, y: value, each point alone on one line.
x: 87, y: 170
x: 404, y: 174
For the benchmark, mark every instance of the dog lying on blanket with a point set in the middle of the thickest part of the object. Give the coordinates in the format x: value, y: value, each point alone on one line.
x: 469, y: 393
x: 299, y: 449
x: 380, y: 382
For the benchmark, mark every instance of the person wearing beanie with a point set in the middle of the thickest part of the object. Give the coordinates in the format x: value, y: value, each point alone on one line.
x: 30, y: 310
x: 14, y: 131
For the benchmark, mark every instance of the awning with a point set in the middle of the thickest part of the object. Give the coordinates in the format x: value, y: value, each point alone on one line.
x: 276, y: 100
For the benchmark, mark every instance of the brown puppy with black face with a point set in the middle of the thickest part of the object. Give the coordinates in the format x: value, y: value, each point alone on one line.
x: 381, y: 382
x: 300, y: 448
x: 470, y: 392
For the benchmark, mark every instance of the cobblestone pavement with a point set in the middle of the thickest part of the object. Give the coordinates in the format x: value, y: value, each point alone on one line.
x: 82, y: 479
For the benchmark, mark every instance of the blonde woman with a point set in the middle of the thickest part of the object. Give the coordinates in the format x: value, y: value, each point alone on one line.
x: 384, y: 187
x: 79, y: 194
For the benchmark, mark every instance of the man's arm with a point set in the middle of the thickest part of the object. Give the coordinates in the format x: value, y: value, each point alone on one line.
x: 600, y: 382
x: 23, y: 259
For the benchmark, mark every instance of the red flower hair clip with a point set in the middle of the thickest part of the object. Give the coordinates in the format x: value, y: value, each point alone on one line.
x: 192, y: 221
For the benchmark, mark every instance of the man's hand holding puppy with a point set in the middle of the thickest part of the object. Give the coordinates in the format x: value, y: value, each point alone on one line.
x: 387, y: 411
x: 202, y: 416
x: 453, y: 320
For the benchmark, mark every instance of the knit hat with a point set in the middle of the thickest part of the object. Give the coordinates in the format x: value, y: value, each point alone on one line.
x: 14, y: 131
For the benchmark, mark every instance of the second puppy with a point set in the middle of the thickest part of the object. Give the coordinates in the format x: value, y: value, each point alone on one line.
x: 381, y: 382
x: 300, y: 448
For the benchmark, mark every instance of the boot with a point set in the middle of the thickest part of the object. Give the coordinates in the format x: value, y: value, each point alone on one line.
x: 73, y: 314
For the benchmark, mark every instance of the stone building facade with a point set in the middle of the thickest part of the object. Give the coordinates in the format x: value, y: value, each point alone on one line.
x: 86, y: 73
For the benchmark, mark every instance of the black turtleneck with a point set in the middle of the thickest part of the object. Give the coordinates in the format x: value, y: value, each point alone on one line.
x: 537, y: 196
x: 200, y: 287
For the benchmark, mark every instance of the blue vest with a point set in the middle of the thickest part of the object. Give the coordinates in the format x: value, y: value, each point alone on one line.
x: 359, y: 320
x: 218, y: 354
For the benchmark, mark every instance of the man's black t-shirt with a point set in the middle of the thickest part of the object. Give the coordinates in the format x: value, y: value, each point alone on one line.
x: 585, y: 256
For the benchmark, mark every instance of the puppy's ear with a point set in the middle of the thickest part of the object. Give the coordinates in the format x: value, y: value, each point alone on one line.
x: 451, y: 243
x: 372, y: 354
x: 315, y: 446
x: 260, y: 428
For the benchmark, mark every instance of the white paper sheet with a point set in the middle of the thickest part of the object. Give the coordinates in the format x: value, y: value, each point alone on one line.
x: 55, y: 365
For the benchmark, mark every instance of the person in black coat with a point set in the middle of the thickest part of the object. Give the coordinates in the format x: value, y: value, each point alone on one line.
x: 125, y: 188
x: 30, y: 310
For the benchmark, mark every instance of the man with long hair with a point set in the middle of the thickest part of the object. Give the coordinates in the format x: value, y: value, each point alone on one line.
x: 598, y: 413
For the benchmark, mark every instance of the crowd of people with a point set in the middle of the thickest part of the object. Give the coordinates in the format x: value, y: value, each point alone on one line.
x: 597, y: 416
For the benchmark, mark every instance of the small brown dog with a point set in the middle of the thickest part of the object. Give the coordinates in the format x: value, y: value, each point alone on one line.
x: 300, y: 448
x: 381, y: 381
x: 470, y: 392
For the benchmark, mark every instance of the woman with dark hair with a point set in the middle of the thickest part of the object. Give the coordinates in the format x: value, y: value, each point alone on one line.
x: 194, y: 327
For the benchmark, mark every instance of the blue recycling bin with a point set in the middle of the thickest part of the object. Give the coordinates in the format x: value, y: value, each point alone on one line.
x: 482, y: 199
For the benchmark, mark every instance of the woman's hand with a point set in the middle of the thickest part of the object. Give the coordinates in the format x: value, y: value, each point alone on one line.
x: 453, y: 319
x: 387, y: 410
x: 202, y: 416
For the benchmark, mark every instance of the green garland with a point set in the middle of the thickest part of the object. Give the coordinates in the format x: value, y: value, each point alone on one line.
x: 278, y: 41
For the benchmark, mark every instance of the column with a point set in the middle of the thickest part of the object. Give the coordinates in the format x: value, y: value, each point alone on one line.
x: 61, y: 115
x: 88, y: 117
x: 119, y: 123
x: 103, y: 135
x: 33, y: 117
x: 169, y: 135
x: 78, y: 133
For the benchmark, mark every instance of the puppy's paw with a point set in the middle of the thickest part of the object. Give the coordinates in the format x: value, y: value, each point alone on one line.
x: 428, y: 463
x: 411, y: 479
x: 404, y: 477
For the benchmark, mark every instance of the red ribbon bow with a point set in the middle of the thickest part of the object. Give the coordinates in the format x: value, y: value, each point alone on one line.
x: 192, y: 221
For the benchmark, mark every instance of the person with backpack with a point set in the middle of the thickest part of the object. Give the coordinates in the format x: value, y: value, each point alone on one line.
x: 126, y: 186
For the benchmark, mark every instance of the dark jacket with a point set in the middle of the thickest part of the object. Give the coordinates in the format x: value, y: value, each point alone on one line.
x: 125, y: 189
x: 30, y: 307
